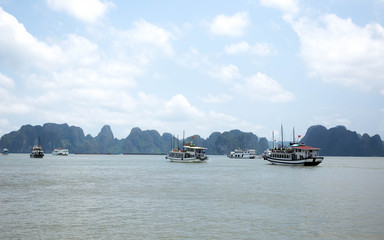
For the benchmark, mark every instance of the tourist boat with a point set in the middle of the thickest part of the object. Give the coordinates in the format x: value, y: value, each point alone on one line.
x: 37, y: 152
x: 295, y: 154
x: 5, y: 151
x: 239, y: 153
x: 60, y: 152
x: 190, y: 154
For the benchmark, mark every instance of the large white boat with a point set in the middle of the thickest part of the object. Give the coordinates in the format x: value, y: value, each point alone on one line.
x: 296, y: 154
x: 240, y: 153
x: 37, y: 152
x: 60, y: 152
x: 190, y: 154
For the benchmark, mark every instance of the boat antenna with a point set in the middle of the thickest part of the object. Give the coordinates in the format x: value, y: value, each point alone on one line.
x: 282, y: 136
x: 183, y: 138
x: 293, y: 134
x: 172, y: 141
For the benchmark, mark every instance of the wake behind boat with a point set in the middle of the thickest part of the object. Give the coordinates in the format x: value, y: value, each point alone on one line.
x: 190, y: 154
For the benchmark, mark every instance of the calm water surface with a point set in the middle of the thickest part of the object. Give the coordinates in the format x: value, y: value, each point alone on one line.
x: 147, y: 197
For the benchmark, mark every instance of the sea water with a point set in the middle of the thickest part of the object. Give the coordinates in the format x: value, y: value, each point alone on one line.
x: 148, y: 197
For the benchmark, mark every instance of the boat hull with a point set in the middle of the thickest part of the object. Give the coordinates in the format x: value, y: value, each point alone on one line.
x: 297, y: 162
x: 187, y: 160
x: 60, y: 154
x: 245, y: 157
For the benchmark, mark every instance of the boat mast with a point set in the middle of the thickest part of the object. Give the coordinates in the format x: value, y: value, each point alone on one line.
x: 282, y: 136
x: 293, y: 134
x: 273, y: 138
x: 183, y: 137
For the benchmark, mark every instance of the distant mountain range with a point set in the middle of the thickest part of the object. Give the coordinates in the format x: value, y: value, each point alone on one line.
x: 336, y: 141
x: 53, y: 135
x: 339, y: 141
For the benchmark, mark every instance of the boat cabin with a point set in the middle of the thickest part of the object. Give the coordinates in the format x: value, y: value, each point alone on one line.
x: 297, y: 151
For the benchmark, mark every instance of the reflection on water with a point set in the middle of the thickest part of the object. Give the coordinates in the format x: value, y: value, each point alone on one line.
x: 147, y: 197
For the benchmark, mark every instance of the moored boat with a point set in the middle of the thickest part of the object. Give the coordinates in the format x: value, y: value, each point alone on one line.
x: 240, y: 153
x: 37, y: 152
x: 60, y: 152
x: 190, y: 154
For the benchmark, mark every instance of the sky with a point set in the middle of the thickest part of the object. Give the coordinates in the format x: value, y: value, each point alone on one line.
x: 197, y: 66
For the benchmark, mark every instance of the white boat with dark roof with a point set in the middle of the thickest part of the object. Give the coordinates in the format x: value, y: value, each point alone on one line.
x: 37, y: 152
x: 60, y: 152
x: 296, y: 154
x: 243, y: 153
x: 189, y: 154
x: 5, y: 151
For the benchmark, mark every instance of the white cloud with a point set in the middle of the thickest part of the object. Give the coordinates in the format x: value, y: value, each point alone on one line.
x: 76, y: 61
x: 230, y: 25
x: 144, y: 41
x: 6, y: 81
x: 148, y: 33
x: 331, y: 120
x: 286, y: 6
x: 76, y: 78
x: 79, y: 50
x: 178, y: 106
x: 196, y: 60
x: 339, y: 51
x: 84, y: 10
x: 238, y: 48
x: 259, y: 48
x: 225, y: 73
x: 18, y: 47
x: 13, y: 106
x: 218, y: 98
x: 260, y: 87
x: 22, y: 51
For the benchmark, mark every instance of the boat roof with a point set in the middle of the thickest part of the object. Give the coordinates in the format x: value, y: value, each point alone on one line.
x: 194, y: 147
x: 305, y: 148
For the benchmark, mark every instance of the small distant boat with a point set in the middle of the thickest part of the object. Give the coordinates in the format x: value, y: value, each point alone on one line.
x: 60, y: 152
x: 37, y: 152
x: 5, y: 151
x: 190, y: 154
x: 240, y: 153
